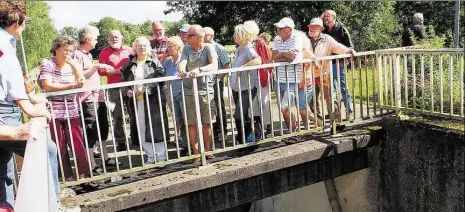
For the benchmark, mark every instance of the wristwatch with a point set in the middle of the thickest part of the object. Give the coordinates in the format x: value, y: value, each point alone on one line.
x: 200, y: 70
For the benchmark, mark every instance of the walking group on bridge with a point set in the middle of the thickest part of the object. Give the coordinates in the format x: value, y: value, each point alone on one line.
x: 82, y: 122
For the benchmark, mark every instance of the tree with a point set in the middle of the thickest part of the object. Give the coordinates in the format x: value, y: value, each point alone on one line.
x: 69, y: 31
x: 38, y: 35
x: 378, y: 18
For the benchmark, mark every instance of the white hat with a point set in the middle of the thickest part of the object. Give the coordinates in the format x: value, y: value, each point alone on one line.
x: 184, y: 27
x: 285, y: 22
x: 316, y: 22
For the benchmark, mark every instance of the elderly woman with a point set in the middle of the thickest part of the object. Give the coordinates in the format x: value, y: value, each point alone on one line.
x: 175, y: 45
x: 59, y: 73
x: 262, y: 49
x: 245, y: 55
x: 145, y: 65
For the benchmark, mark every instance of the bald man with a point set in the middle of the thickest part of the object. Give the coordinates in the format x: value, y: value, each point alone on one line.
x: 218, y: 86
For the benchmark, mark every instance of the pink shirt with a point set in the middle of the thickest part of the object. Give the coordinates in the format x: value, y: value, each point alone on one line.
x: 85, y: 59
x: 50, y: 71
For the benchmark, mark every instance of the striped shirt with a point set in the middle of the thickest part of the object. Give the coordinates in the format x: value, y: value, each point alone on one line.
x: 159, y: 47
x: 50, y: 71
x: 294, y: 42
x: 85, y: 59
x: 325, y: 45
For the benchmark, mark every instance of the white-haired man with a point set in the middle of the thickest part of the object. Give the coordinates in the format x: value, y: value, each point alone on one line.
x: 198, y: 57
x: 340, y: 33
x: 415, y: 31
x: 115, y: 55
x: 97, y: 112
x: 159, y: 43
x: 223, y: 63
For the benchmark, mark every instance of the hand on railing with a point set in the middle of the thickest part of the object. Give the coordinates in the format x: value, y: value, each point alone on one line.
x: 351, y: 51
x: 193, y: 73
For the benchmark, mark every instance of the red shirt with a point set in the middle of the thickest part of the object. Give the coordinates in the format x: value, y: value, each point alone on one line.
x: 115, y: 58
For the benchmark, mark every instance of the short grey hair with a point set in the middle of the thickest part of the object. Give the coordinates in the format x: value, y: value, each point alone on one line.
x: 86, y: 33
x: 60, y: 42
x: 198, y: 30
x: 142, y: 40
x: 331, y: 12
x: 417, y: 17
x: 244, y: 32
x: 176, y: 40
x: 254, y: 26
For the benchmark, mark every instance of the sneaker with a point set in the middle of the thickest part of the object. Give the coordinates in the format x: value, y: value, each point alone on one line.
x: 97, y: 154
x: 351, y: 116
x: 112, y: 162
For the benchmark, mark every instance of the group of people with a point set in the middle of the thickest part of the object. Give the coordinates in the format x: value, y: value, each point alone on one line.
x: 81, y: 122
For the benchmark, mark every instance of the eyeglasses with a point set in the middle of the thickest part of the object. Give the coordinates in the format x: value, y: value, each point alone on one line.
x: 278, y: 28
x: 190, y: 35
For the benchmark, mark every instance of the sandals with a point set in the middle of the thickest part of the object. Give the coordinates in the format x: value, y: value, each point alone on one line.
x: 97, y: 171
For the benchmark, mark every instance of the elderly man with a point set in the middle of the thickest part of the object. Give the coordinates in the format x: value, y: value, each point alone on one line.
x: 14, y: 99
x: 115, y: 55
x: 339, y: 32
x: 223, y: 63
x: 87, y: 36
x: 198, y: 57
x: 288, y: 47
x: 325, y: 45
x: 159, y: 43
x: 415, y: 31
x: 183, y: 33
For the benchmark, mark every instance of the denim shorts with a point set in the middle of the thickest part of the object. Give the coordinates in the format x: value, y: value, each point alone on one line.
x: 290, y: 96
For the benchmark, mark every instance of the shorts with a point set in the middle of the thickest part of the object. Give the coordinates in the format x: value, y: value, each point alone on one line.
x: 203, y: 103
x: 290, y: 96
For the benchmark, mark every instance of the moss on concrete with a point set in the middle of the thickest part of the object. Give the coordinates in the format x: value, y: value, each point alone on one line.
x: 120, y: 192
x: 443, y: 123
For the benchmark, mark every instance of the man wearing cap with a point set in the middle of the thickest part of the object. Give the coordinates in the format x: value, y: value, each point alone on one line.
x: 223, y: 63
x: 183, y: 33
x: 339, y: 32
x: 198, y: 57
x: 14, y: 99
x: 325, y: 45
x: 288, y: 47
x: 159, y: 43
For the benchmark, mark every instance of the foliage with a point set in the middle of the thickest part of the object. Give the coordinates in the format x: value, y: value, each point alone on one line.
x: 38, y: 35
x: 69, y: 31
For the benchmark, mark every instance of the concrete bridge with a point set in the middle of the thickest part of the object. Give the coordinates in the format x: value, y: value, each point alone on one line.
x: 403, y: 151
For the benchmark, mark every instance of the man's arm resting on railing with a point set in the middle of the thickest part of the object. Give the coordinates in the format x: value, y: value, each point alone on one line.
x: 22, y: 132
x: 255, y: 62
x: 33, y: 110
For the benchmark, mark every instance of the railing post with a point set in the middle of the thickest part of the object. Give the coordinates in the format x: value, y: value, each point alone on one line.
x: 379, y: 61
x: 200, y: 142
x: 397, y: 85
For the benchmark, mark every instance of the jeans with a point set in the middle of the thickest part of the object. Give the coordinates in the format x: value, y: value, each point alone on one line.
x: 177, y: 104
x: 344, y: 91
x: 11, y: 114
x: 245, y: 112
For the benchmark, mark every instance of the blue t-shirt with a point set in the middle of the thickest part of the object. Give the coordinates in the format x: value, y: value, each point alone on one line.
x: 170, y: 67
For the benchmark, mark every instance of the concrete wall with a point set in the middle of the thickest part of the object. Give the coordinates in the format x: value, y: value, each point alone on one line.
x: 416, y: 167
x: 311, y: 198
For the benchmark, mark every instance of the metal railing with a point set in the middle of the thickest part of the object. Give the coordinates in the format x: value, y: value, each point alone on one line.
x: 372, y: 81
x: 426, y: 81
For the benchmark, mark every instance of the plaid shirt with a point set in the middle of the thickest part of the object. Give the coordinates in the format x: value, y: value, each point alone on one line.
x: 159, y: 46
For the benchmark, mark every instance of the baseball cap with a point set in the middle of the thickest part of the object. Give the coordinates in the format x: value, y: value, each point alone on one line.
x: 285, y: 22
x: 316, y: 22
x: 184, y: 27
